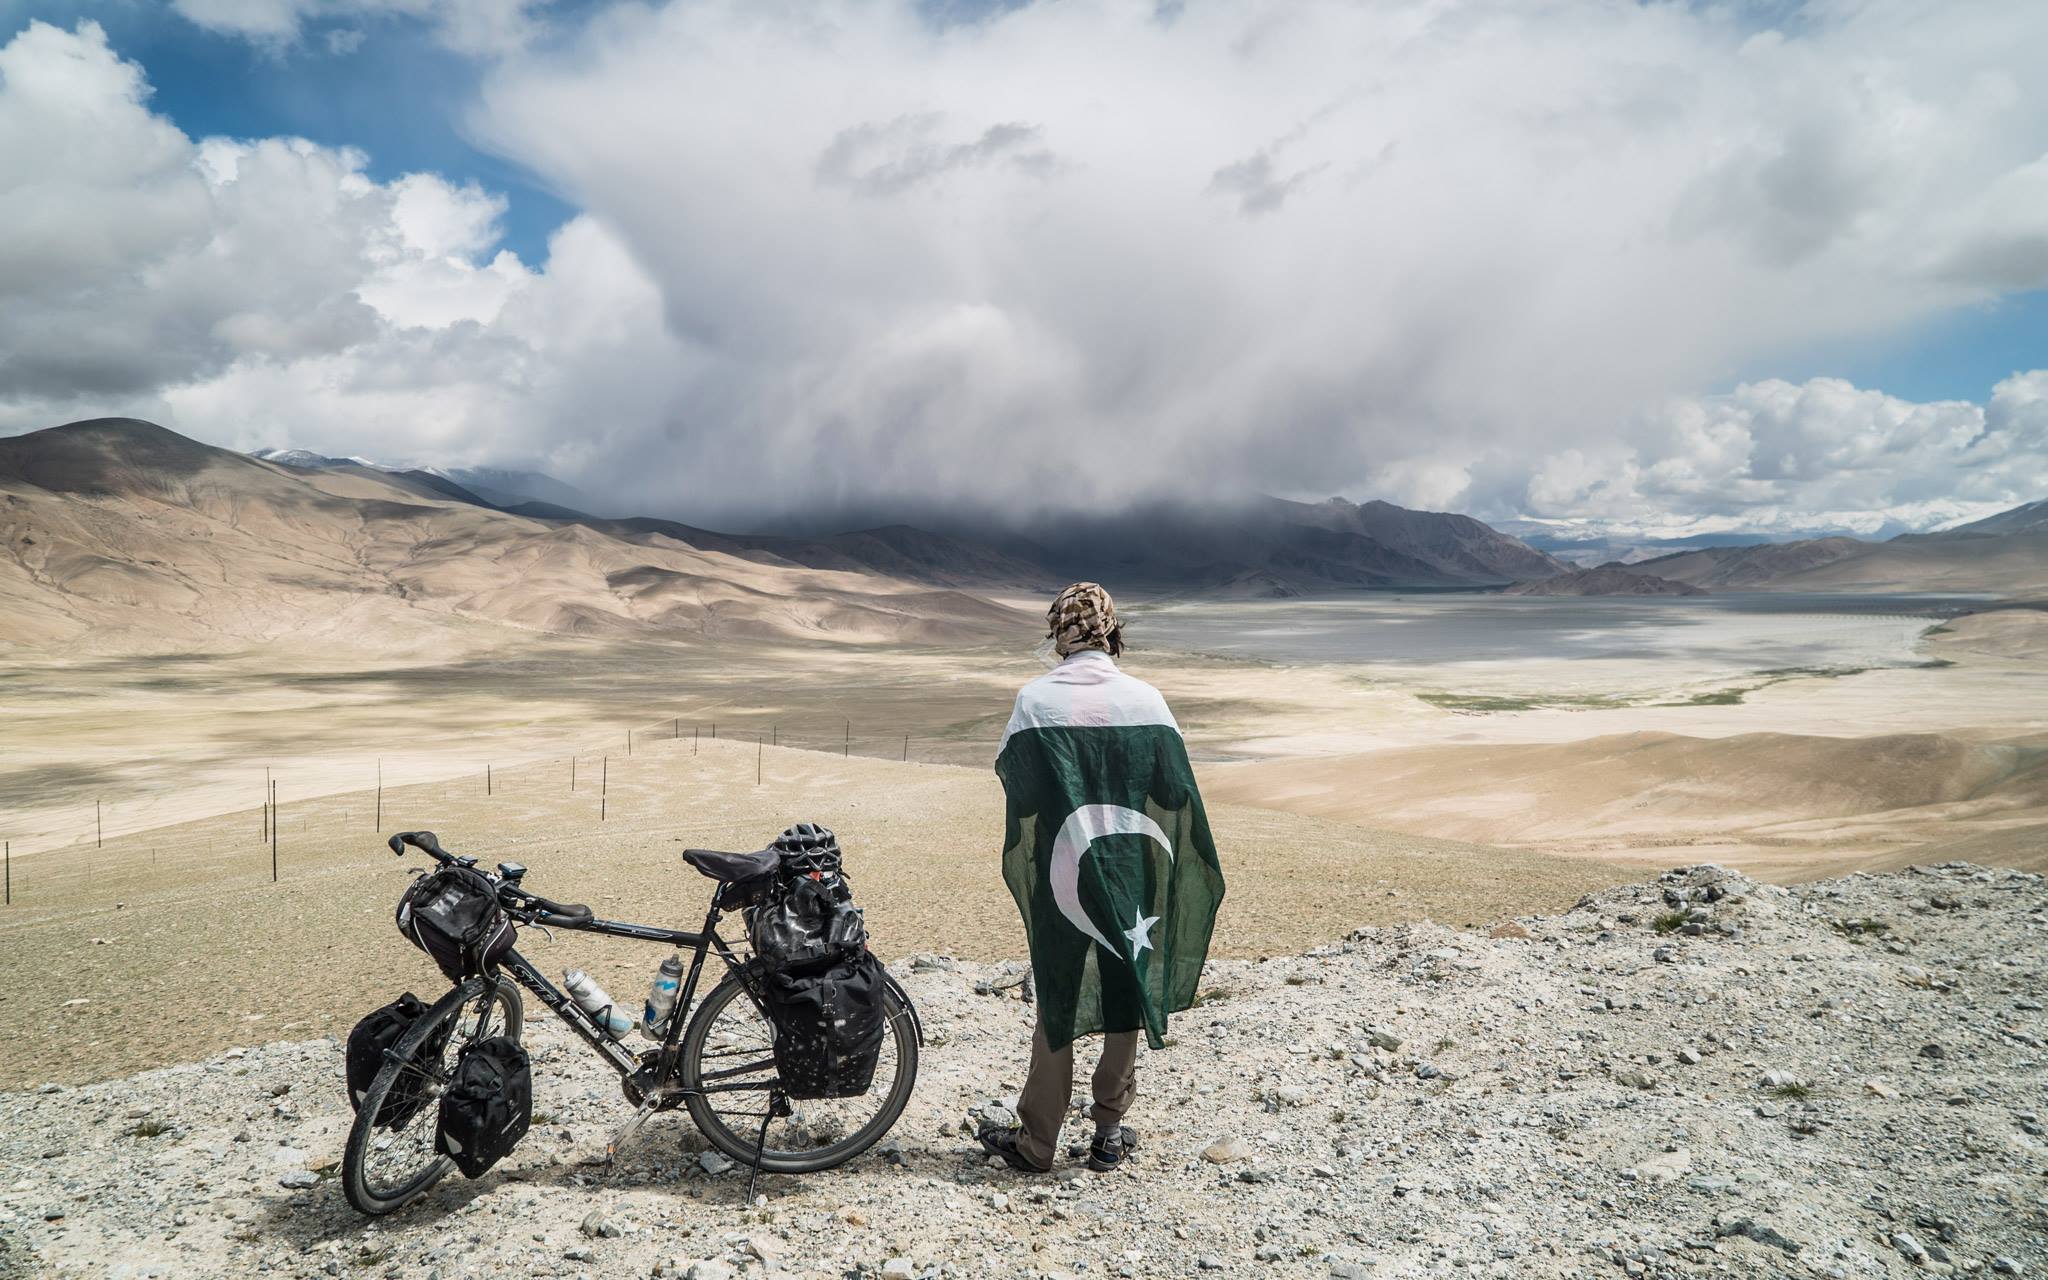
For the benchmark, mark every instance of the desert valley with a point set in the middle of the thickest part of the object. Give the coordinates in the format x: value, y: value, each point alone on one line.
x: 185, y: 625
x: 1393, y: 747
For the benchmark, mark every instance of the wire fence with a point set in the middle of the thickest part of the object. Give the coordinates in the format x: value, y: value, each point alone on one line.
x: 281, y: 835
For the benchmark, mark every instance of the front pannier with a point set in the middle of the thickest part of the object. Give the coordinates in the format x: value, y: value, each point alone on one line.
x: 819, y: 983
x: 487, y: 1107
x: 370, y: 1042
x: 453, y: 915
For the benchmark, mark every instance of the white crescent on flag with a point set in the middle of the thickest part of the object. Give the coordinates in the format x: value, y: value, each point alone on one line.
x: 1078, y: 834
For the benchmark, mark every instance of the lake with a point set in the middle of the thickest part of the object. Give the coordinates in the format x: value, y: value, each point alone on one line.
x: 1706, y: 635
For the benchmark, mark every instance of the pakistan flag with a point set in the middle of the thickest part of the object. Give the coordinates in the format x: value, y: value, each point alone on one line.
x: 1107, y: 852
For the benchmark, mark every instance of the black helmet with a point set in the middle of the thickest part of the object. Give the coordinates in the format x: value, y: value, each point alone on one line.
x: 808, y: 847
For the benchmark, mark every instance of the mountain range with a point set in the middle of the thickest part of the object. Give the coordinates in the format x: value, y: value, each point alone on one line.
x: 118, y: 533
x: 1264, y: 546
x: 2004, y: 554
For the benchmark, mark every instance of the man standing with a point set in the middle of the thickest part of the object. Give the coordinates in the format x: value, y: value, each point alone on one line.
x: 1107, y: 851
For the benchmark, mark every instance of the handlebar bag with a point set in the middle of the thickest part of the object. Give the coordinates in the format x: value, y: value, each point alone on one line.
x: 453, y: 915
x: 371, y: 1041
x: 487, y: 1106
x: 829, y: 1025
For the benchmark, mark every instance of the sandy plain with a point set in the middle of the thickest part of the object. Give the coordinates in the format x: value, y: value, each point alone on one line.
x: 1340, y: 798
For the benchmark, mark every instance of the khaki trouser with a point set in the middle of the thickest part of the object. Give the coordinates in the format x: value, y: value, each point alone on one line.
x: 1050, y: 1086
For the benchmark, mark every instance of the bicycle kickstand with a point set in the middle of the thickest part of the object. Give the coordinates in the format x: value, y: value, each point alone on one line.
x: 777, y: 1105
x: 631, y: 1127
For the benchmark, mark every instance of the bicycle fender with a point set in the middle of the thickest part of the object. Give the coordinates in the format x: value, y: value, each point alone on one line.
x: 896, y: 988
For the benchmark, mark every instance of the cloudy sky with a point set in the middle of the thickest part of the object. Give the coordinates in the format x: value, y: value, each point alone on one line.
x: 1657, y: 267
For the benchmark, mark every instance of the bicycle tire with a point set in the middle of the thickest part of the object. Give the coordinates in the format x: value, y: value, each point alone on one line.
x: 375, y: 1195
x: 902, y: 1028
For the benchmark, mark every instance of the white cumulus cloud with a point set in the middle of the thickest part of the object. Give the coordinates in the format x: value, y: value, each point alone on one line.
x: 1480, y: 254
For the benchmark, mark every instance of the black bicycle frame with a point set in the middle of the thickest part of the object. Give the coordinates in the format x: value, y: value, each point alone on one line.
x: 615, y: 1051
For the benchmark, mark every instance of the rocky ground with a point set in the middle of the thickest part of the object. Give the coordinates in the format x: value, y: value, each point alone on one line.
x: 1698, y: 1075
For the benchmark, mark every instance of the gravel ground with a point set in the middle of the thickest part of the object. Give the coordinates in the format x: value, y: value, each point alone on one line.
x: 1697, y: 1075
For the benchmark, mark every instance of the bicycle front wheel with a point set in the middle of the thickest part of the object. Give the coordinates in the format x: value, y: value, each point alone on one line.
x: 728, y: 1072
x: 390, y: 1160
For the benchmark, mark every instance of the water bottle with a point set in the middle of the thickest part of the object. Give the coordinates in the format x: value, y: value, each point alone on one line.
x: 592, y: 1000
x: 661, y: 998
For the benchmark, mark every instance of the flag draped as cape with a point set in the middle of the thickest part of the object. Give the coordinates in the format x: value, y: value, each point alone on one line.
x: 1107, y: 851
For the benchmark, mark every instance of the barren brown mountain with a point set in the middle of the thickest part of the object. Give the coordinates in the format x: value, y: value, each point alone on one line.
x: 121, y: 535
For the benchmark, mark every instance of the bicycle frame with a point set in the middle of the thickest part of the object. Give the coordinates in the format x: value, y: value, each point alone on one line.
x: 622, y: 1058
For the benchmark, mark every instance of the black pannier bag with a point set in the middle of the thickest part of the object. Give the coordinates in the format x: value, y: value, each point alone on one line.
x: 368, y: 1044
x: 487, y: 1106
x: 821, y: 986
x: 829, y: 1026
x: 453, y: 915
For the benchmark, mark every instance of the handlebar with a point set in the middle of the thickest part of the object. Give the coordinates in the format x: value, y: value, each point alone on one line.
x: 425, y: 842
x: 510, y: 892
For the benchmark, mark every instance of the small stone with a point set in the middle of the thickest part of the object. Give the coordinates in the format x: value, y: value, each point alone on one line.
x: 1635, y: 1078
x: 1933, y: 1051
x: 2006, y: 1266
x: 1781, y: 1080
x: 1879, y: 1089
x: 1508, y: 929
x: 1208, y: 1262
x: 1290, y: 1095
x: 1906, y: 1244
x: 1227, y: 1151
x: 766, y: 1248
x: 297, y: 1179
x: 898, y: 1269
x: 1689, y: 1057
x: 714, y: 1163
x: 708, y: 1269
x: 1381, y: 1038
x: 597, y: 1226
x: 578, y: 1253
x: 1667, y: 1166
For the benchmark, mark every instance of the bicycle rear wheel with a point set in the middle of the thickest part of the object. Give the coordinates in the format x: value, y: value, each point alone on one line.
x: 730, y: 1048
x: 387, y: 1166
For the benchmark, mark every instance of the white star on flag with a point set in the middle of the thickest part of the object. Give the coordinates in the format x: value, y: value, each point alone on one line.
x: 1140, y: 933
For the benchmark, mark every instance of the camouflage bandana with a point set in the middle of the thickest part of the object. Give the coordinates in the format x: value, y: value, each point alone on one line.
x: 1084, y: 617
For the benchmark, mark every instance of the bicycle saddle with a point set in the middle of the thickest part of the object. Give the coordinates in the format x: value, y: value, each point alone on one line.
x: 725, y: 867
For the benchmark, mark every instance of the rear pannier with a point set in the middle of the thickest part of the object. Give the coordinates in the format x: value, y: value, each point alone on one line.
x: 820, y: 985
x: 453, y: 915
x: 487, y: 1107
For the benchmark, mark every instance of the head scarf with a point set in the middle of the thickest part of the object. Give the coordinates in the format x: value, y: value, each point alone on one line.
x: 1084, y: 617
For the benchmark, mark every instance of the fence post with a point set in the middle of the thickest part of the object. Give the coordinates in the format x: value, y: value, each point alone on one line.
x: 380, y: 795
x: 695, y: 733
x: 629, y: 742
x: 99, y: 833
x: 757, y: 759
x: 906, y: 748
x: 273, y: 833
x: 679, y: 728
x: 572, y: 773
x: 487, y: 779
x: 10, y: 873
x: 604, y: 778
x: 847, y: 750
x: 777, y: 731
